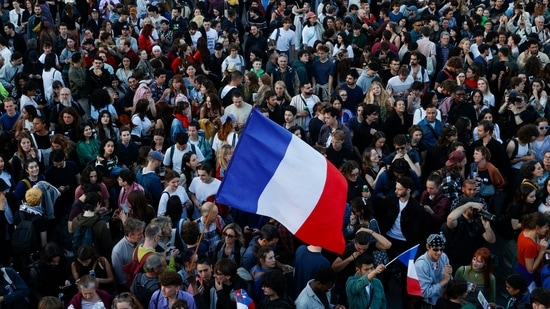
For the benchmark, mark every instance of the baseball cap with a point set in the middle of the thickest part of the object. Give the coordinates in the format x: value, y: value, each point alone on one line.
x: 455, y: 157
x: 157, y: 155
x: 310, y: 15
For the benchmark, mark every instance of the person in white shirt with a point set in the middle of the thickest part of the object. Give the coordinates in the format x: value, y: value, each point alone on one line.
x: 174, y: 155
x: 234, y: 59
x: 239, y: 109
x: 203, y: 186
x: 285, y: 38
x: 211, y: 35
x: 172, y: 183
x: 398, y: 85
x: 16, y: 17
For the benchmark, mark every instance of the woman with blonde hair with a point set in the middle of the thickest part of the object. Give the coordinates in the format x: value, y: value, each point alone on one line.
x: 464, y: 46
x: 232, y: 245
x: 377, y: 95
x: 222, y: 160
x: 488, y: 97
x: 226, y: 134
x: 282, y: 93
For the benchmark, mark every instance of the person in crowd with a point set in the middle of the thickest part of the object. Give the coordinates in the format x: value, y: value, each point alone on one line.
x: 318, y: 288
x: 432, y: 279
x: 453, y: 295
x: 364, y: 288
x: 89, y: 293
x: 87, y: 261
x: 518, y: 292
x: 531, y: 249
x: 435, y: 203
x: 479, y: 276
x: 466, y: 230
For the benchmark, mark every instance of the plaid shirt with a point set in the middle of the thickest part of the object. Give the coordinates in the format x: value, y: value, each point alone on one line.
x: 452, y: 186
x: 156, y: 90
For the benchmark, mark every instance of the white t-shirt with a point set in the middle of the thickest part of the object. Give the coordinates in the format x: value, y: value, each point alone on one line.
x: 140, y: 126
x: 238, y: 61
x: 211, y: 38
x: 180, y: 191
x: 177, y: 158
x: 203, y: 190
x: 240, y: 113
x: 195, y: 37
x: 217, y: 143
x: 398, y: 86
x: 284, y: 40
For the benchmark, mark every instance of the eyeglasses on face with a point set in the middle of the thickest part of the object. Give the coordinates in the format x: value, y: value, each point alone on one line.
x: 543, y: 127
x: 438, y: 249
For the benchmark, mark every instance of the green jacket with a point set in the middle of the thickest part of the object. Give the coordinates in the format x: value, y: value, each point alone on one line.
x: 357, y: 294
x: 301, y: 70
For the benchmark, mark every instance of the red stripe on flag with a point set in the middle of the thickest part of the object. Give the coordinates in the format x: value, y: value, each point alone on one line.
x: 323, y: 227
x: 413, y: 286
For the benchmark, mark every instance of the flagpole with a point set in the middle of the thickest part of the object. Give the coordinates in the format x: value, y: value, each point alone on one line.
x: 400, y: 255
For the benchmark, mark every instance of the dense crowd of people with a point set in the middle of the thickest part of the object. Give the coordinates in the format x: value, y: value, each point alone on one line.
x: 119, y: 121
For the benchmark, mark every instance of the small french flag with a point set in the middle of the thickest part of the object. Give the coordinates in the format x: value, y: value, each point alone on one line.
x: 243, y: 301
x: 407, y: 258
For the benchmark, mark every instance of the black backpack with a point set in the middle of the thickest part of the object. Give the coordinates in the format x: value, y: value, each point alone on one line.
x: 84, y: 236
x: 25, y: 239
x: 143, y: 290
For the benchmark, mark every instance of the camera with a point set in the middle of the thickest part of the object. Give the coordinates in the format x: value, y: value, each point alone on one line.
x: 484, y: 214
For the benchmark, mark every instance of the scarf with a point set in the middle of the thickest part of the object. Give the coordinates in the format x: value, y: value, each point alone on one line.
x: 184, y: 120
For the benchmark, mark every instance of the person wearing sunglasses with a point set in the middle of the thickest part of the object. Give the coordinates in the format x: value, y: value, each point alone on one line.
x: 542, y: 143
x: 404, y: 151
x: 433, y: 270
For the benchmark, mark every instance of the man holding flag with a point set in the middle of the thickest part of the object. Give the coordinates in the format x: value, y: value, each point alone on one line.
x: 433, y: 270
x: 400, y: 222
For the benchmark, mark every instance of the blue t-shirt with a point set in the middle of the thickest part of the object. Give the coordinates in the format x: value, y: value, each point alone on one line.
x: 7, y: 122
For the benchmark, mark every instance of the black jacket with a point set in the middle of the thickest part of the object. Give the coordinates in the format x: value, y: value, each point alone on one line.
x: 411, y: 226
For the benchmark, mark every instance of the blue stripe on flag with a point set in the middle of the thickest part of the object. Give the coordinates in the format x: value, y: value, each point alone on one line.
x: 261, y: 148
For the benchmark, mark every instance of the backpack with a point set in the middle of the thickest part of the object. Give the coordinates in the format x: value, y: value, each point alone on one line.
x: 134, y: 267
x: 84, y: 236
x: 25, y: 239
x: 144, y: 290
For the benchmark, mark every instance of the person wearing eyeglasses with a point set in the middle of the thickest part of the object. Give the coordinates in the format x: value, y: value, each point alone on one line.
x: 232, y: 244
x: 433, y: 270
x: 350, y: 170
x: 542, y: 143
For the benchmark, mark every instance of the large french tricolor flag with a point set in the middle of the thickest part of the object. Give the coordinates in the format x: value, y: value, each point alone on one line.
x: 407, y: 258
x: 275, y: 174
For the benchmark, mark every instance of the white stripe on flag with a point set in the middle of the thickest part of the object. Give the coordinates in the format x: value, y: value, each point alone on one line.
x: 301, y: 175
